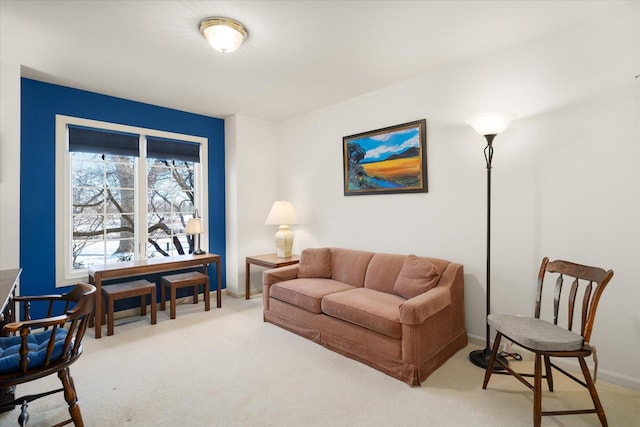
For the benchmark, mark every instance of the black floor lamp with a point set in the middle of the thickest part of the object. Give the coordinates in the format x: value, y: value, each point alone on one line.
x: 488, y: 125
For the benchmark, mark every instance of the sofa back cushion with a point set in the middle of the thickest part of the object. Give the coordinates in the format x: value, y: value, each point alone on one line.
x: 349, y: 266
x: 315, y: 263
x: 416, y: 277
x: 382, y: 272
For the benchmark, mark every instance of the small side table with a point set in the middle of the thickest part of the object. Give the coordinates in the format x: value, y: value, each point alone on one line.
x: 268, y: 261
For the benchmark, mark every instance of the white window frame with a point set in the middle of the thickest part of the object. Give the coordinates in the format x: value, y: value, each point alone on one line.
x: 65, y: 275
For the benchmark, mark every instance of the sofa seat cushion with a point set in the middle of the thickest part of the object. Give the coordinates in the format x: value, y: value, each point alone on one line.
x: 306, y: 293
x: 374, y: 310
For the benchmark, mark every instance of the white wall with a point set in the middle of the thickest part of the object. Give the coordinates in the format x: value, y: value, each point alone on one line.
x: 9, y: 166
x: 565, y: 176
x: 251, y: 158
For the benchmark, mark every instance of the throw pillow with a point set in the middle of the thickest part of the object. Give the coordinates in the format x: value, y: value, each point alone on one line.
x: 315, y: 263
x: 416, y: 277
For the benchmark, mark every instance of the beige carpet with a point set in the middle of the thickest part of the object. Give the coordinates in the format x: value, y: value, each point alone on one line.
x: 228, y: 368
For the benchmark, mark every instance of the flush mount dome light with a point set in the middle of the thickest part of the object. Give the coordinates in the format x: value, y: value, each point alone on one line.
x: 223, y: 34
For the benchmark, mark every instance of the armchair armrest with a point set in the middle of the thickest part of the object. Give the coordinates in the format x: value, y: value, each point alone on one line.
x: 37, y: 298
x: 416, y: 310
x: 35, y: 324
x: 275, y: 275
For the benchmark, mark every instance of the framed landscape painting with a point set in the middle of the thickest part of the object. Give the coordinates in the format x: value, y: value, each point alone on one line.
x: 384, y: 161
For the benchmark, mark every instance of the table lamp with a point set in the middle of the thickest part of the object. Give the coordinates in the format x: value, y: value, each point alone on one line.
x: 194, y: 227
x: 282, y: 214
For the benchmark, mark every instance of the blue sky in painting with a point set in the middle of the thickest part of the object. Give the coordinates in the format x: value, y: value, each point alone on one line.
x: 379, y: 147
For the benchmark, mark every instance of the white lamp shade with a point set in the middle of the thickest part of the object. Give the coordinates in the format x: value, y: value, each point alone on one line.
x: 282, y: 212
x: 223, y: 34
x: 194, y: 226
x: 490, y: 123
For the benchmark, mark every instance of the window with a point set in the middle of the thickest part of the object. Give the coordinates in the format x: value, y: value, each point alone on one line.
x: 124, y: 193
x: 171, y: 196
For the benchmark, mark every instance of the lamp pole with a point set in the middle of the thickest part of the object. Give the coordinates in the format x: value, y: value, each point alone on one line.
x: 488, y: 155
x: 481, y: 357
x: 488, y: 125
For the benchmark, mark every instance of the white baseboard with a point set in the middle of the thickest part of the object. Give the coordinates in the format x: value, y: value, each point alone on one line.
x: 241, y: 295
x: 234, y: 294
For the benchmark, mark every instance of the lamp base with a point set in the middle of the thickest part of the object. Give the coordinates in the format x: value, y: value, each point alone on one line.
x: 284, y: 241
x: 480, y: 358
x: 198, y: 251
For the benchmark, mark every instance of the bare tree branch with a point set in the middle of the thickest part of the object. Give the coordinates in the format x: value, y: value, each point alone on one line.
x: 159, y: 226
x: 89, y: 203
x: 118, y: 207
x: 157, y: 246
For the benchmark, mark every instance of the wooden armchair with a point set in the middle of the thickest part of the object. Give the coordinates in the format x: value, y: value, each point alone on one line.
x: 35, y: 348
x: 547, y: 340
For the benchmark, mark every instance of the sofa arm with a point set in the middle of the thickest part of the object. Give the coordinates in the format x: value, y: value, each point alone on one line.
x: 416, y: 310
x: 275, y: 275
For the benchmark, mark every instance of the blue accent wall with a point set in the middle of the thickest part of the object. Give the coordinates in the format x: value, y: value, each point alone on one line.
x: 39, y: 106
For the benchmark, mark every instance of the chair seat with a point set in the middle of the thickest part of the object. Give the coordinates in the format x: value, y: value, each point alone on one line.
x: 37, y: 343
x: 536, y: 334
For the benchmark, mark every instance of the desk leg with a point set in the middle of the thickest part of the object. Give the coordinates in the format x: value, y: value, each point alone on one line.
x: 219, y: 283
x: 219, y: 293
x: 247, y: 281
x: 97, y: 282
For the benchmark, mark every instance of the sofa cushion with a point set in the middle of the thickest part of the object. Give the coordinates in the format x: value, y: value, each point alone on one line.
x: 349, y: 266
x: 382, y: 272
x: 377, y: 311
x: 315, y: 263
x: 417, y: 276
x: 306, y: 293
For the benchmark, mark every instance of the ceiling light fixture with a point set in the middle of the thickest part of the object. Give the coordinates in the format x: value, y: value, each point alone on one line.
x: 223, y: 34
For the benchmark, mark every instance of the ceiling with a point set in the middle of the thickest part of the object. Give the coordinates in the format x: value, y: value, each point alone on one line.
x: 300, y: 55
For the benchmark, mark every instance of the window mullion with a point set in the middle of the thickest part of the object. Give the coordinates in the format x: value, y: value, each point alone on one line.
x: 200, y: 188
x: 141, y: 201
x: 105, y: 224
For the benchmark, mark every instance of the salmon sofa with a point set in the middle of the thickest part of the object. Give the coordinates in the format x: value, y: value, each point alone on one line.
x: 400, y: 314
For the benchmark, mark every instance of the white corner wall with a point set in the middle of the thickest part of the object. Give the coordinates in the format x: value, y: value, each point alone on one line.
x: 565, y: 178
x: 251, y: 162
x: 9, y: 166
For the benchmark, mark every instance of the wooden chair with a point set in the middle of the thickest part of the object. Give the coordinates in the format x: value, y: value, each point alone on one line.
x: 546, y: 339
x: 36, y: 348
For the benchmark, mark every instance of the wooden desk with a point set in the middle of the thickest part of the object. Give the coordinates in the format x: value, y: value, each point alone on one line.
x: 148, y: 266
x: 9, y: 280
x: 268, y: 261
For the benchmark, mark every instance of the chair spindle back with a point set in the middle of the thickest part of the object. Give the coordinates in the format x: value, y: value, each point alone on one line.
x: 594, y: 280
